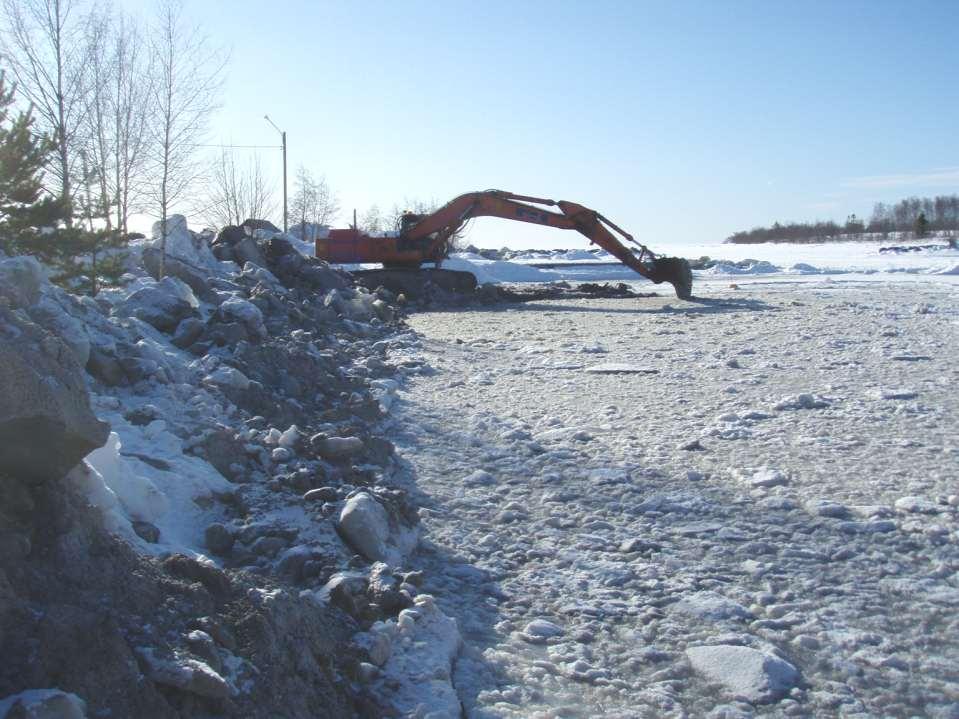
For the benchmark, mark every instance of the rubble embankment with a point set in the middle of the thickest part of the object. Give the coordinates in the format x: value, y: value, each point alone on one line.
x: 197, y: 511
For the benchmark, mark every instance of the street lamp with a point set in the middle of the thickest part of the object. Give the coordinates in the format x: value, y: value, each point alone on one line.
x: 283, y: 135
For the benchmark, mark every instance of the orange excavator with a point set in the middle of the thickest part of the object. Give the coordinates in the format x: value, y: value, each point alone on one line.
x: 427, y: 238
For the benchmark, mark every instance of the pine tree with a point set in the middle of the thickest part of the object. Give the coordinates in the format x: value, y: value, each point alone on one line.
x: 26, y: 211
x: 922, y: 225
x: 33, y: 221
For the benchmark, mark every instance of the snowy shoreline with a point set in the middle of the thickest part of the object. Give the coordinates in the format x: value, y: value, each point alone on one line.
x: 751, y: 512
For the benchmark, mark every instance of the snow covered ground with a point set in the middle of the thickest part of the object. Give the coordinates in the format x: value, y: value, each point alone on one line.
x: 741, y: 505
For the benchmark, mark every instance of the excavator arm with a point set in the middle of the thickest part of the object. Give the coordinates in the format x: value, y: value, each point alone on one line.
x: 426, y: 238
x: 434, y: 232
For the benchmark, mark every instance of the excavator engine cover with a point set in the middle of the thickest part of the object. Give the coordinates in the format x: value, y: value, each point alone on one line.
x: 677, y: 272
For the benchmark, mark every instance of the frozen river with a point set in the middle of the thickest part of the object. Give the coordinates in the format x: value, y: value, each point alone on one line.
x: 741, y: 505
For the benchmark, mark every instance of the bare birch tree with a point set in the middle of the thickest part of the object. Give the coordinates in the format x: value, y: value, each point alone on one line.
x: 43, y: 47
x: 313, y: 201
x: 130, y: 105
x: 186, y: 88
x: 237, y: 193
x: 95, y: 141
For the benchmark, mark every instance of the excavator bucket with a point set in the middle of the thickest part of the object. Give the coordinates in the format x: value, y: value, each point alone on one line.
x: 677, y: 272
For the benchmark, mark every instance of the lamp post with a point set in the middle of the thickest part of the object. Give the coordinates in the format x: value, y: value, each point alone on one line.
x: 283, y: 135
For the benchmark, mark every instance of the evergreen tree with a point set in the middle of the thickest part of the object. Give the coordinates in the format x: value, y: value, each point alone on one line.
x: 35, y: 222
x: 24, y: 206
x: 922, y: 225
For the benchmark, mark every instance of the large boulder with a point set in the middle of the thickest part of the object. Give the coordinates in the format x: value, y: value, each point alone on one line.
x: 183, y: 244
x: 252, y: 225
x: 365, y: 525
x: 46, y: 424
x: 161, y: 305
x: 375, y: 531
x: 229, y: 236
x: 246, y: 250
x: 21, y: 280
x: 195, y: 277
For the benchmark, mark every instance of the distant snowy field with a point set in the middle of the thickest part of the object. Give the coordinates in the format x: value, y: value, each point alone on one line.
x: 772, y: 260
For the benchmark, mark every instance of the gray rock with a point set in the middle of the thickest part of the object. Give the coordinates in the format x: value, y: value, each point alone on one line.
x: 46, y: 424
x: 43, y: 704
x: 246, y: 313
x: 540, y: 631
x: 104, y: 366
x: 187, y: 332
x: 204, y: 647
x: 21, y: 279
x: 365, y: 525
x: 146, y: 531
x: 54, y: 318
x: 137, y: 369
x: 188, y: 675
x: 218, y: 539
x: 246, y: 250
x: 157, y: 307
x: 827, y: 508
x: 268, y: 546
x: 192, y: 276
x: 337, y: 448
x: 756, y: 676
x: 321, y: 494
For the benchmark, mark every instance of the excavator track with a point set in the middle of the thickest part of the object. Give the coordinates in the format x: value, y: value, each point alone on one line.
x: 414, y: 282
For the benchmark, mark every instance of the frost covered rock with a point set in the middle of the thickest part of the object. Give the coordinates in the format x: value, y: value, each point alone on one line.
x: 765, y: 477
x: 183, y: 244
x: 228, y: 377
x: 247, y: 314
x: 753, y: 675
x: 336, y: 448
x: 53, y: 317
x: 416, y: 679
x: 194, y: 277
x: 185, y: 674
x: 21, y: 279
x: 375, y: 532
x: 711, y: 606
x: 540, y: 631
x: 801, y: 401
x: 917, y: 505
x: 827, y: 508
x: 365, y: 524
x: 161, y: 305
x: 46, y: 424
x: 43, y: 704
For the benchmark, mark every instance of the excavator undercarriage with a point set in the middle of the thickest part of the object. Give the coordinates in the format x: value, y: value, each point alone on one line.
x: 427, y: 238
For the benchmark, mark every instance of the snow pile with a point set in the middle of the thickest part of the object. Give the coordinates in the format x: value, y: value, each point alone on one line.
x: 496, y: 271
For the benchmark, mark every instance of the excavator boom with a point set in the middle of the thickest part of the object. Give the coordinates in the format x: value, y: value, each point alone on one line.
x: 426, y: 238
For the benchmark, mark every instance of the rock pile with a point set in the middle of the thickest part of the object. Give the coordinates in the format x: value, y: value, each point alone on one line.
x: 238, y: 523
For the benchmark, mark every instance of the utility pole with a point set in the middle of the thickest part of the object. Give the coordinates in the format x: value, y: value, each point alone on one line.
x: 282, y: 135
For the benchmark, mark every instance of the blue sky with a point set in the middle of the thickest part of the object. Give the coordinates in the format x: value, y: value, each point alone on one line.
x: 682, y: 121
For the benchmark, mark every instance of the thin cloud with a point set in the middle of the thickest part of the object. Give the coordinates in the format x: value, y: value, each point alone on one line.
x: 944, y: 176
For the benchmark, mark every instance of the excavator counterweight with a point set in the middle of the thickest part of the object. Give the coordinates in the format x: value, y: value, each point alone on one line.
x: 427, y: 238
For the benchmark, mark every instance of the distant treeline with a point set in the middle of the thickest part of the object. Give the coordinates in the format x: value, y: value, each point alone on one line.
x: 914, y: 214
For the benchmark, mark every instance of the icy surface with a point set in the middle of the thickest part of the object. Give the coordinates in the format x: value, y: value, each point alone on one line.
x: 783, y: 484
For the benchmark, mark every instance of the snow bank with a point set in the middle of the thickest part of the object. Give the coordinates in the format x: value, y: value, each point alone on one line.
x: 496, y: 271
